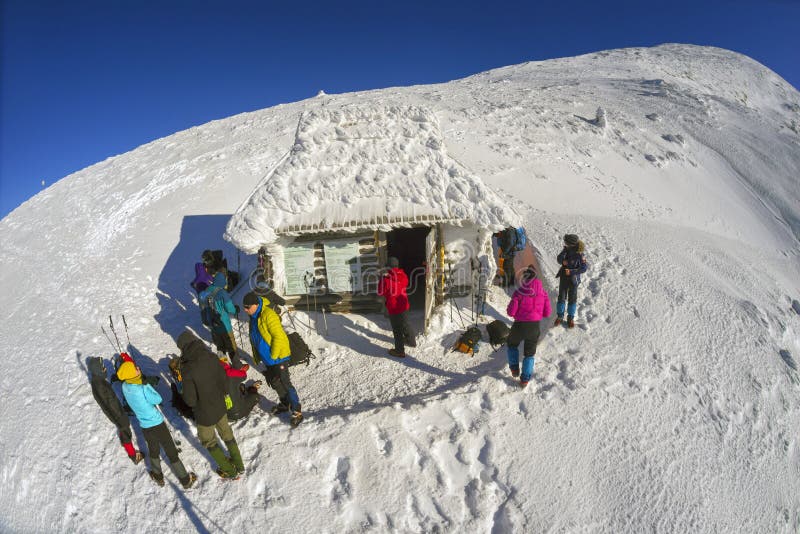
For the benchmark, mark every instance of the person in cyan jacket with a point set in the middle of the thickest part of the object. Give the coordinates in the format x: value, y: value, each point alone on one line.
x: 219, y: 309
x: 143, y: 400
x: 392, y: 286
x: 271, y: 347
x: 204, y: 389
x: 109, y: 403
x: 528, y: 306
x: 573, y: 264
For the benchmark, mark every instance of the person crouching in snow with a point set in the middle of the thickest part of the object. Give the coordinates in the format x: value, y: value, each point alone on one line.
x: 109, y: 403
x: 528, y: 306
x: 392, y: 286
x: 271, y: 346
x: 218, y: 311
x: 243, y: 398
x: 573, y: 265
x: 143, y: 400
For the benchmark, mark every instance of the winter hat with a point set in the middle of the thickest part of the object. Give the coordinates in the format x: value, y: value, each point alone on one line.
x: 250, y: 299
x: 127, y: 371
x: 571, y: 239
x: 530, y: 273
x: 393, y: 262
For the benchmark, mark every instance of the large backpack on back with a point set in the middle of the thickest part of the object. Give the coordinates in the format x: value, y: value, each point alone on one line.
x: 300, y: 353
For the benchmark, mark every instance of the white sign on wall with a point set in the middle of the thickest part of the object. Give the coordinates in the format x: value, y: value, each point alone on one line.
x: 298, y: 262
x: 343, y: 264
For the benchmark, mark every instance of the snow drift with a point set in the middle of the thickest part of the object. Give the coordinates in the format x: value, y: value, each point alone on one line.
x: 674, y: 406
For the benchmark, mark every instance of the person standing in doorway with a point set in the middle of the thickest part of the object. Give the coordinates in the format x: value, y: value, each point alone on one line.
x: 392, y: 287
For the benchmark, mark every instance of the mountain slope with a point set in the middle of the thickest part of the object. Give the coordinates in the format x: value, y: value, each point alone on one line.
x: 674, y: 406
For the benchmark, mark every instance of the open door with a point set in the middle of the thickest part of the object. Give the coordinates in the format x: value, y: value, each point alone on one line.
x: 430, y: 273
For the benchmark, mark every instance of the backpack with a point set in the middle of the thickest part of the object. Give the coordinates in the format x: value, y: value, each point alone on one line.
x: 300, y: 353
x: 211, y: 314
x: 468, y: 342
x: 498, y: 332
x: 520, y: 239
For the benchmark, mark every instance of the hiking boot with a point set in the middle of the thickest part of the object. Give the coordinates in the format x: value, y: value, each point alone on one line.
x: 396, y: 353
x: 279, y: 408
x: 523, y: 384
x: 226, y: 476
x: 558, y: 321
x: 158, y: 478
x: 136, y: 458
x: 515, y: 372
x: 189, y: 482
x: 297, y: 418
x: 570, y: 322
x: 240, y: 471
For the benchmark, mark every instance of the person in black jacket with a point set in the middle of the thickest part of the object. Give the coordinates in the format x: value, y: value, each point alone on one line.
x: 109, y: 403
x: 205, y: 390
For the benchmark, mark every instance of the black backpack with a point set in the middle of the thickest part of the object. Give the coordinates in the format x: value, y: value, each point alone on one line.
x: 498, y: 332
x: 300, y: 351
x: 468, y: 341
x: 212, y: 316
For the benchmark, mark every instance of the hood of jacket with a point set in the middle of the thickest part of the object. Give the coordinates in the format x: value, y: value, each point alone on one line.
x: 185, y: 340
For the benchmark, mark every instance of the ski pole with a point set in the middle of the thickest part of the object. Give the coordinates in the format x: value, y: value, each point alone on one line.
x: 109, y: 339
x: 126, y: 330
x: 113, y: 331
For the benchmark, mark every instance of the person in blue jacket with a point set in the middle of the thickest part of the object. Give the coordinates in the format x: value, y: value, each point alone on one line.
x: 143, y: 400
x: 217, y: 316
x: 573, y: 264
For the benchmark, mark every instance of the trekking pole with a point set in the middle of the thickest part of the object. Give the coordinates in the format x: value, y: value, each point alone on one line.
x: 126, y: 330
x: 113, y: 331
x: 109, y: 339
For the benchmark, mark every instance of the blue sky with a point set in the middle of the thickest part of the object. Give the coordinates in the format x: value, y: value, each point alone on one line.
x: 85, y: 80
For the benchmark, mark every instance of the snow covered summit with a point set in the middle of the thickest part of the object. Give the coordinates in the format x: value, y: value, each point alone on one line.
x: 673, y: 406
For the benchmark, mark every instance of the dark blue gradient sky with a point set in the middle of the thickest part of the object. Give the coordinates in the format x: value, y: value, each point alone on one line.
x: 85, y: 80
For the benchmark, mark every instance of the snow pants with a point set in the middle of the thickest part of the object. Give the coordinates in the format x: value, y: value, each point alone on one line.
x: 567, y: 292
x: 527, y: 332
x: 225, y: 342
x: 278, y: 379
x: 207, y: 434
x: 403, y: 335
x: 158, y: 437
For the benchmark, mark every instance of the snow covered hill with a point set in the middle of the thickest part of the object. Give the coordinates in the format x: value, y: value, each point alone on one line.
x: 674, y: 406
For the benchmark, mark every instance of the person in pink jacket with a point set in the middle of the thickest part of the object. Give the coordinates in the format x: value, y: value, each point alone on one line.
x: 528, y: 306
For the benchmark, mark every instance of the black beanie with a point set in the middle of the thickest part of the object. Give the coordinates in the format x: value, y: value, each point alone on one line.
x: 250, y: 299
x: 393, y: 262
x: 571, y: 239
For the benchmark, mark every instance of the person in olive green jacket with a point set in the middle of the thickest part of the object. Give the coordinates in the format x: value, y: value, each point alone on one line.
x: 271, y: 347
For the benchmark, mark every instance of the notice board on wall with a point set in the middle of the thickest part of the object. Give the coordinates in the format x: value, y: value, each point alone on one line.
x: 298, y: 262
x: 343, y: 265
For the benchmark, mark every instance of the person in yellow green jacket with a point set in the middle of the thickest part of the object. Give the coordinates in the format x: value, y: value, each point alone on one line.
x: 271, y: 347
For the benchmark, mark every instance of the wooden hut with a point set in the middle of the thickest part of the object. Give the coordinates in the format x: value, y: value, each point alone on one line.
x: 360, y: 185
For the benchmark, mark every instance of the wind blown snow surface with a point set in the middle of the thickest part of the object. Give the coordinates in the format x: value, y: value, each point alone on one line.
x: 673, y: 406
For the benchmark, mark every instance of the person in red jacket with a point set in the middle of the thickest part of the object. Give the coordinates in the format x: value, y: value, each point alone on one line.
x: 393, y: 286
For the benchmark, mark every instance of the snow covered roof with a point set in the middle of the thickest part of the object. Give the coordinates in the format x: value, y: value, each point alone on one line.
x: 355, y: 168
